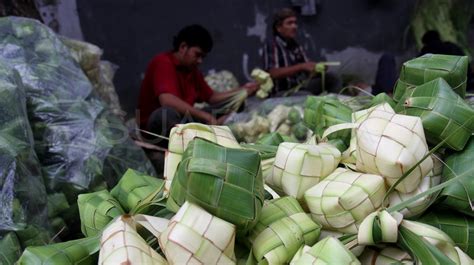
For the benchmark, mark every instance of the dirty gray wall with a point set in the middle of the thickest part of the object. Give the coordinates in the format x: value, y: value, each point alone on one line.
x: 131, y: 32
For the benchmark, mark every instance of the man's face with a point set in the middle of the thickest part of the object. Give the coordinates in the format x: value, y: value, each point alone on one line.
x: 288, y: 28
x: 191, y: 56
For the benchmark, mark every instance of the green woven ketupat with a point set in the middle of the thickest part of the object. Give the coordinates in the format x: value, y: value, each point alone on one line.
x: 96, y: 210
x: 382, y: 98
x: 460, y: 194
x: 275, y: 210
x: 225, y: 182
x: 135, y: 188
x: 322, y: 112
x: 460, y: 228
x: 79, y: 251
x: 273, y: 139
x: 429, y: 67
x: 442, y: 112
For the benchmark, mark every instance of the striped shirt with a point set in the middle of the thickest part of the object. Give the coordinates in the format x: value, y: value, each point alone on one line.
x: 278, y: 53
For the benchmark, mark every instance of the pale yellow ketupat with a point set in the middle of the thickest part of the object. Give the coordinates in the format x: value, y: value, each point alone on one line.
x: 298, y: 167
x: 343, y: 199
x: 389, y: 144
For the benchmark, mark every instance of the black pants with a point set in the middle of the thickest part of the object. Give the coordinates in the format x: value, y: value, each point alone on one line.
x: 161, y: 121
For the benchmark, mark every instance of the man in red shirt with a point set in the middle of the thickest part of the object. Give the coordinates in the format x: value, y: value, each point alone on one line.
x: 173, y: 83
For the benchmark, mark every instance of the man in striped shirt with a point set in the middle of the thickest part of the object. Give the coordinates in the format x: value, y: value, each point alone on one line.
x: 283, y: 57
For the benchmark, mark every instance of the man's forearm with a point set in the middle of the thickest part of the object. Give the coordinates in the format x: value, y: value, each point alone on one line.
x: 168, y: 100
x: 220, y: 96
x: 283, y: 72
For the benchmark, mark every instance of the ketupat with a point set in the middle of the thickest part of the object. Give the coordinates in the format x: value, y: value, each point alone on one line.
x: 458, y: 227
x: 458, y: 196
x: 80, y: 251
x: 322, y: 112
x: 343, y: 199
x: 445, y: 115
x: 389, y: 144
x: 325, y: 252
x: 136, y: 189
x: 121, y: 244
x: 298, y: 167
x: 96, y: 210
x: 279, y: 242
x: 226, y: 182
x: 182, y: 134
x: 429, y: 67
x: 264, y: 80
x: 195, y: 236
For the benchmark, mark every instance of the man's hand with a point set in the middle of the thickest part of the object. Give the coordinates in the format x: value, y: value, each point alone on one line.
x: 308, y: 66
x: 251, y: 87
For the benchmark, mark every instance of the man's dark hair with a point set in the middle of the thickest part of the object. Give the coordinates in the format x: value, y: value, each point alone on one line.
x: 280, y: 16
x: 194, y: 36
x: 431, y: 37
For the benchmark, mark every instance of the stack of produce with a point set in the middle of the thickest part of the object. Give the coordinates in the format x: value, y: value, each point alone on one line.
x: 388, y: 203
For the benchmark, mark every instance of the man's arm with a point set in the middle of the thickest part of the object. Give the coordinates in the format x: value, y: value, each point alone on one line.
x: 217, y: 97
x: 172, y: 101
x: 283, y: 72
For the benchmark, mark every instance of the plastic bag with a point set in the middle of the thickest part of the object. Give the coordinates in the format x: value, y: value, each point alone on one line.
x: 22, y: 191
x: 100, y: 73
x: 80, y: 144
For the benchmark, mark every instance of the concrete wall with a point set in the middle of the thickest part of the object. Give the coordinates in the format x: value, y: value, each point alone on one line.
x: 131, y: 32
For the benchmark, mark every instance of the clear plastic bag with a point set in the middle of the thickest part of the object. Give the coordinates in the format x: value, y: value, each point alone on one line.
x: 80, y: 144
x: 22, y: 191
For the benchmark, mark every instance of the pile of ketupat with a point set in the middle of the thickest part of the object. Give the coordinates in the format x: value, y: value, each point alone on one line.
x: 370, y: 187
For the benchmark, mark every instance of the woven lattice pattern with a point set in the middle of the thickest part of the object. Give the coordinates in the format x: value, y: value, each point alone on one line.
x: 459, y: 228
x: 389, y: 144
x: 97, y: 210
x: 273, y: 211
x: 135, y: 187
x: 194, y: 236
x: 298, y: 167
x: 326, y: 252
x: 445, y: 115
x: 224, y: 181
x: 420, y: 205
x: 281, y: 240
x: 121, y: 244
x: 459, y: 195
x: 429, y: 67
x: 343, y: 199
x: 322, y: 112
x: 182, y: 134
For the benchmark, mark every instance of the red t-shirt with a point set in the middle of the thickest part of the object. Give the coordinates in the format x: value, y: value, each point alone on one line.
x: 164, y: 76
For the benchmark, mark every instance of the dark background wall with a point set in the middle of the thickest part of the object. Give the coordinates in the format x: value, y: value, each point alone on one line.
x: 131, y: 32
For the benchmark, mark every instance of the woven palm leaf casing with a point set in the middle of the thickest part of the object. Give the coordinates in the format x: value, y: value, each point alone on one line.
x: 298, y: 167
x: 459, y: 195
x: 460, y: 228
x: 96, y: 210
x: 389, y: 144
x: 280, y: 240
x: 121, y: 244
x: 343, y: 199
x: 182, y: 134
x: 274, y: 210
x: 445, y: 115
x: 323, y: 112
x: 135, y: 187
x: 327, y: 251
x: 194, y: 236
x: 226, y: 182
x: 429, y: 67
